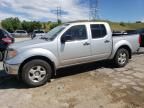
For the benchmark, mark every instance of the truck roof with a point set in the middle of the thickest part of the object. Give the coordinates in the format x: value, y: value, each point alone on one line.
x: 86, y: 21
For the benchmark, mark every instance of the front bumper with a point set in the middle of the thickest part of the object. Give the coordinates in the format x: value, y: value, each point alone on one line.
x: 11, y: 69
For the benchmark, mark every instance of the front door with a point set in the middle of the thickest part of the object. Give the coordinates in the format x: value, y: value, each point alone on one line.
x: 76, y: 48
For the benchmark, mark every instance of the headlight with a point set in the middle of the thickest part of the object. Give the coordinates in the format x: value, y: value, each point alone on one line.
x: 11, y: 53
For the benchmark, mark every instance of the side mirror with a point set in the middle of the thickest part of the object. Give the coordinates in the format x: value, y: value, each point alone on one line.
x: 65, y: 38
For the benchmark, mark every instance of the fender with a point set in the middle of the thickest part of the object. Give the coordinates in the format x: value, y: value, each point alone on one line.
x: 118, y: 45
x: 21, y: 57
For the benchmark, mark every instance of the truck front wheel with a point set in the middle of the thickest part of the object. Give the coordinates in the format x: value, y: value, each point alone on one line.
x: 121, y: 57
x: 36, y: 73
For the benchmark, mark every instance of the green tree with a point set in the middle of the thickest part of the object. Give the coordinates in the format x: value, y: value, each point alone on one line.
x: 7, y: 25
x: 36, y: 25
x: 11, y: 24
x: 122, y: 23
x: 16, y: 23
x: 29, y: 26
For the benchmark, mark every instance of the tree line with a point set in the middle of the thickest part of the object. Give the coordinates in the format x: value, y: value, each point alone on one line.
x: 12, y: 24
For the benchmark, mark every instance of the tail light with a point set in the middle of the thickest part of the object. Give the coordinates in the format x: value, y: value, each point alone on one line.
x: 7, y: 40
x: 140, y: 39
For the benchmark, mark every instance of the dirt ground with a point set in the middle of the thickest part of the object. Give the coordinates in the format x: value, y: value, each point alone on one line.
x: 94, y: 85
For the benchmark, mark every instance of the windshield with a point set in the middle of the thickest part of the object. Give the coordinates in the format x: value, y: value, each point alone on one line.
x: 52, y: 34
x: 7, y: 33
x: 38, y: 31
x: 20, y: 31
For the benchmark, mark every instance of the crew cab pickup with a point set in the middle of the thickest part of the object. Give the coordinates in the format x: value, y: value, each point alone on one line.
x: 34, y: 61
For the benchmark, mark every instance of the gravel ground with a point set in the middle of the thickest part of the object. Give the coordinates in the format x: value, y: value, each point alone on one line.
x: 94, y: 85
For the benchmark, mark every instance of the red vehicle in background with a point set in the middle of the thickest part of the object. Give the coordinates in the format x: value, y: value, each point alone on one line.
x: 5, y: 39
x: 141, y: 32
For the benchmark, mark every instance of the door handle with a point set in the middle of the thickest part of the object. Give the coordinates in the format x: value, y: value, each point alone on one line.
x: 86, y: 44
x: 106, y: 41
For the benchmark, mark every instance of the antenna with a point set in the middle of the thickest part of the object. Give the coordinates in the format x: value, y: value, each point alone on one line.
x: 93, y: 9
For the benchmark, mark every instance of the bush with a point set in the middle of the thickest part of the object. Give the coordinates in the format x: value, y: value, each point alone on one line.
x: 122, y: 24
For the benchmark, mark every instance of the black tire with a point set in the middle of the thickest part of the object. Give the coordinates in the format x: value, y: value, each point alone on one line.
x: 27, y: 75
x: 124, y: 59
x: 1, y: 55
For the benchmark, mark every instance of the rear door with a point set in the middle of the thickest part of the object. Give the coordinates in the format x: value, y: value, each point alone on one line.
x: 101, y: 42
x: 76, y: 49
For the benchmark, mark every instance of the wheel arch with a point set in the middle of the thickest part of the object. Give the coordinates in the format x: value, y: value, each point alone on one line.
x: 52, y: 64
x: 127, y: 48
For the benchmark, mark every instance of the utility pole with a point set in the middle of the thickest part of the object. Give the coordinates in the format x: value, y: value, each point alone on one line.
x: 58, y: 13
x: 93, y: 9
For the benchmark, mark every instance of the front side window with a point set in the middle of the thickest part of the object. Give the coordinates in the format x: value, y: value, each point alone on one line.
x: 98, y: 30
x: 77, y: 32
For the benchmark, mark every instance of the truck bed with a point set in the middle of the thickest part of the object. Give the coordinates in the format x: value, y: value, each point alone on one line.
x: 131, y: 39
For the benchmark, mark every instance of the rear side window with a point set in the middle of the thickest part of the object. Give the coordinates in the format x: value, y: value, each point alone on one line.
x: 20, y: 31
x: 98, y: 30
x: 77, y: 32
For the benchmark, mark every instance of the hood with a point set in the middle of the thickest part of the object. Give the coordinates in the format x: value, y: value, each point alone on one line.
x: 27, y: 43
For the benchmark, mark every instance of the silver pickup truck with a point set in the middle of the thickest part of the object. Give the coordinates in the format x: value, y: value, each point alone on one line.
x: 34, y: 61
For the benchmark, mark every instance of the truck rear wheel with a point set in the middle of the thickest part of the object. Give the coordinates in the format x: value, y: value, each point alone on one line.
x: 36, y: 73
x: 121, y: 57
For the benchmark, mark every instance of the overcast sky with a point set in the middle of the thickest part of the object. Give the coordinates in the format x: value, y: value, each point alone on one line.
x: 45, y: 10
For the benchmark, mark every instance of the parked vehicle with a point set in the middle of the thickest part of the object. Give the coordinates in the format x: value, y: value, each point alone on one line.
x: 141, y: 32
x: 5, y: 40
x: 37, y: 33
x: 34, y: 61
x: 131, y: 31
x: 20, y: 33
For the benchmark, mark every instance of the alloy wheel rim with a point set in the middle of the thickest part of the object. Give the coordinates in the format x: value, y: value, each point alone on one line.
x: 122, y: 58
x: 37, y: 74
